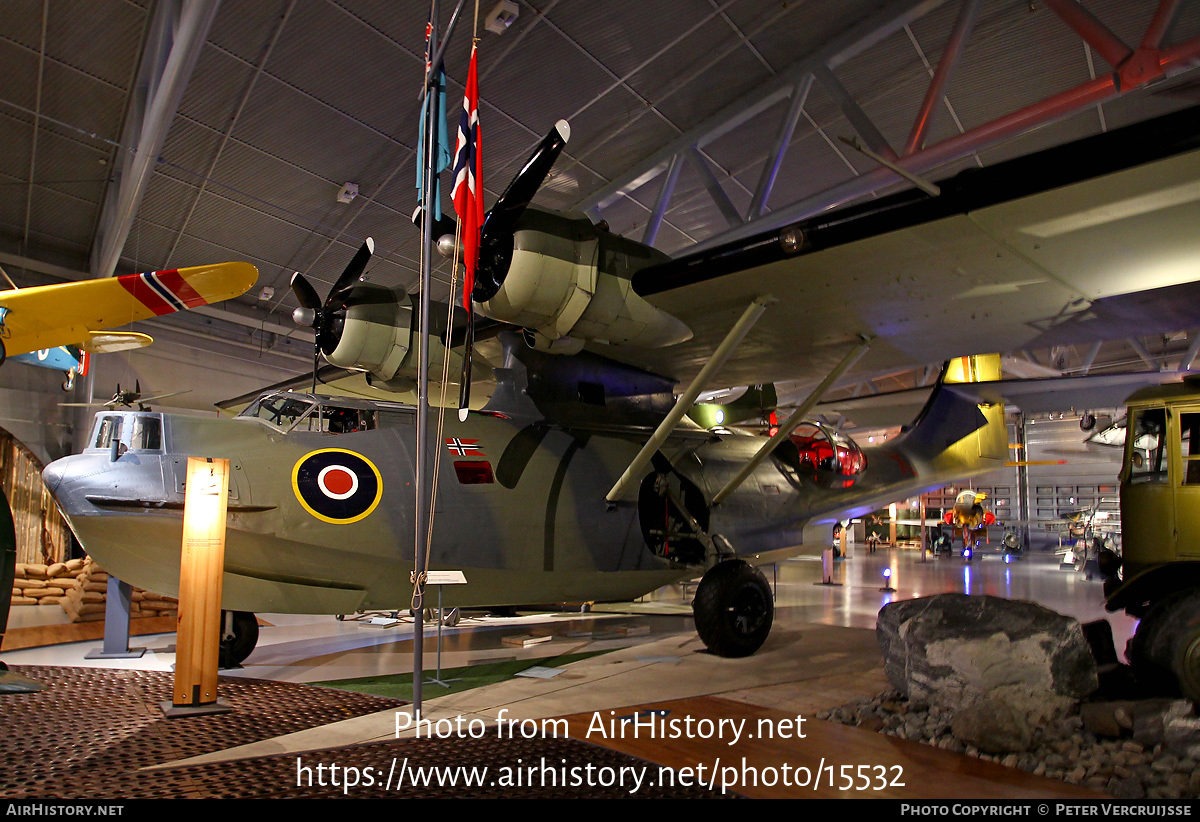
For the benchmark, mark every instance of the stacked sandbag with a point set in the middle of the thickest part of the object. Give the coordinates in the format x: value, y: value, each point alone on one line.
x: 86, y: 603
x: 36, y: 584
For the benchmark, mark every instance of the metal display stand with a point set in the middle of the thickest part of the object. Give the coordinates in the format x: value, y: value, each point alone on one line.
x: 440, y: 579
x: 117, y: 607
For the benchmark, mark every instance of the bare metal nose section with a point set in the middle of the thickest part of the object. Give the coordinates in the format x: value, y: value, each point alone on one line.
x: 84, y: 481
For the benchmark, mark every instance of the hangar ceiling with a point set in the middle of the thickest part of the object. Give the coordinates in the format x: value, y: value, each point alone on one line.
x: 692, y: 121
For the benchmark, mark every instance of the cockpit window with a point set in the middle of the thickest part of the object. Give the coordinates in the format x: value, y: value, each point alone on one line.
x: 108, y: 430
x: 288, y: 412
x: 147, y: 434
x: 280, y: 411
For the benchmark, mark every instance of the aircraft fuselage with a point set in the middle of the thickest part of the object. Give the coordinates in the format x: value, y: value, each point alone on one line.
x: 321, y: 504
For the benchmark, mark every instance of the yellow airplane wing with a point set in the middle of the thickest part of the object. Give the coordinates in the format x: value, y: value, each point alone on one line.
x: 52, y: 315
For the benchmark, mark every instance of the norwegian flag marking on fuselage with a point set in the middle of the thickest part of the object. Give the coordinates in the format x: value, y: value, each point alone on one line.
x: 462, y: 447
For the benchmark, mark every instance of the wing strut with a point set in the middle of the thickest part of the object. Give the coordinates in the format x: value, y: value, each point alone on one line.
x: 688, y: 398
x: 795, y: 419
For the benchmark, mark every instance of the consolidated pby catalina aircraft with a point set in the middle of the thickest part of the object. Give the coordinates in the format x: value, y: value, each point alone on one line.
x: 579, y: 481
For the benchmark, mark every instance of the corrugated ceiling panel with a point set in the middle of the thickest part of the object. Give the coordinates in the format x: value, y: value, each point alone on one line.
x: 888, y: 82
x: 624, y: 34
x: 244, y: 230
x: 22, y: 23
x: 617, y: 132
x: 12, y: 206
x: 568, y: 183
x: 820, y: 107
x: 81, y: 101
x: 216, y: 88
x: 300, y: 130
x: 401, y: 193
x: 1187, y: 24
x: 245, y: 27
x: 672, y: 241
x: 627, y: 218
x: 810, y: 166
x: 60, y: 215
x: 16, y: 134
x: 750, y: 142
x: 106, y: 46
x: 188, y: 150
x: 1051, y: 60
x: 167, y: 202
x: 69, y: 250
x: 672, y: 70
x: 804, y: 28
x: 70, y: 167
x: 545, y: 54
x: 294, y: 194
x: 18, y: 81
x: 194, y: 251
x: 714, y: 88
x: 404, y: 23
x: 364, y: 75
x: 147, y: 248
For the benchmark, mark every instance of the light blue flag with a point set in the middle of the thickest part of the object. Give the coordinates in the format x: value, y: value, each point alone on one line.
x: 442, y: 160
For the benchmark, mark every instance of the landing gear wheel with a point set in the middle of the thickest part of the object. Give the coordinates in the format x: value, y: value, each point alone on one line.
x: 733, y: 609
x: 239, y: 635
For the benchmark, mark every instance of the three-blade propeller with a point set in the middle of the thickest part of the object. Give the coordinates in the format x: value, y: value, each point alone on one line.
x: 495, y: 254
x: 323, y: 317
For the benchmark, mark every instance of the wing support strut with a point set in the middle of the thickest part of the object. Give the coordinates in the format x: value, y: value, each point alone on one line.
x: 795, y: 419
x: 688, y: 398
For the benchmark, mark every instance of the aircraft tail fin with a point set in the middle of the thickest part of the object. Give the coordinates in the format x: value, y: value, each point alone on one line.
x: 958, y: 431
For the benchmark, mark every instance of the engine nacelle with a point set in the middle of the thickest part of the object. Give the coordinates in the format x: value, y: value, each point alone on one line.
x: 569, y: 282
x: 376, y: 335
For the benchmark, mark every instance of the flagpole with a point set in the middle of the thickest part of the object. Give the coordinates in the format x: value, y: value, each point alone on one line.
x: 437, y: 47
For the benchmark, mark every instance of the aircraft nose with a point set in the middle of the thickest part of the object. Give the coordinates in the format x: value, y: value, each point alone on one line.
x: 52, y: 475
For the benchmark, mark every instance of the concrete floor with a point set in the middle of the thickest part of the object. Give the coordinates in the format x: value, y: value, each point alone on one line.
x: 302, y: 648
x: 822, y: 653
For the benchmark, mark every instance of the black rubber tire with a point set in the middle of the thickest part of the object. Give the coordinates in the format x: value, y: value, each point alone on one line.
x: 1151, y: 650
x: 234, y: 650
x: 1184, y: 626
x: 733, y: 609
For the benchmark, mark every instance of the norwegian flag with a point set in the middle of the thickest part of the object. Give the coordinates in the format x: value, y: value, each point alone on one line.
x: 468, y: 180
x: 464, y: 447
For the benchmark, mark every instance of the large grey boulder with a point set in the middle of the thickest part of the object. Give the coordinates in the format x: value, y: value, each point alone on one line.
x: 951, y: 649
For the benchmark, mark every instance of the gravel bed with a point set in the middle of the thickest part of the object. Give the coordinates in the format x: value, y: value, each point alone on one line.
x: 1064, y: 750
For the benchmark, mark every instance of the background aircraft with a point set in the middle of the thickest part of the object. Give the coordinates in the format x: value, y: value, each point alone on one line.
x: 49, y: 316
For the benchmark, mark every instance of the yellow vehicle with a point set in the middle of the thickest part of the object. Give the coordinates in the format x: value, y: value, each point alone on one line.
x: 1157, y: 579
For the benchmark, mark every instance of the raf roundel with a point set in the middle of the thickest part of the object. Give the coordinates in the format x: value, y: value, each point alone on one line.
x: 337, y: 486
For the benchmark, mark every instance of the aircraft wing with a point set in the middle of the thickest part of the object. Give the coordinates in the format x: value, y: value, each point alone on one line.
x: 68, y: 314
x: 1031, y: 396
x: 1093, y: 240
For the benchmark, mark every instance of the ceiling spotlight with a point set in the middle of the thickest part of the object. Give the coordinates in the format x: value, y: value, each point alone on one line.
x: 501, y: 17
x: 349, y: 192
x: 267, y: 293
